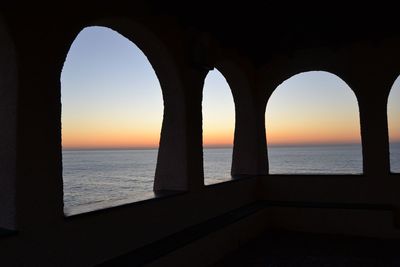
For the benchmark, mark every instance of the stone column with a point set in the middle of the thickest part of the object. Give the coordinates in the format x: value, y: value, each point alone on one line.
x: 39, y: 163
x: 250, y: 152
x: 180, y: 161
x: 250, y: 149
x: 372, y: 101
x: 180, y: 158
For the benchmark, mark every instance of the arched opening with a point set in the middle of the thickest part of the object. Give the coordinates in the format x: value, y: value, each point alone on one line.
x: 394, y: 126
x: 112, y: 111
x: 218, y: 128
x: 313, y: 127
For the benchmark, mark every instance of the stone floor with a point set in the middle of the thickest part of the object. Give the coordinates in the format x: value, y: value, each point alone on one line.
x: 287, y: 249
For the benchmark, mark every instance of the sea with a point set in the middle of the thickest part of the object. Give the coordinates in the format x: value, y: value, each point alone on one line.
x: 98, y: 179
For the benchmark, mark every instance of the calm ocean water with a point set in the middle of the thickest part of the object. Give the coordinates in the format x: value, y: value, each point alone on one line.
x: 329, y: 159
x: 95, y: 179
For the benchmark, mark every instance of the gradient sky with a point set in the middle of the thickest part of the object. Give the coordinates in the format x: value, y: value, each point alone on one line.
x: 394, y: 112
x: 111, y: 98
x: 110, y: 94
x: 218, y: 111
x: 312, y: 108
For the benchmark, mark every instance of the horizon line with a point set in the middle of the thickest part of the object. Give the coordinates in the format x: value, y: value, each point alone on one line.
x: 221, y: 146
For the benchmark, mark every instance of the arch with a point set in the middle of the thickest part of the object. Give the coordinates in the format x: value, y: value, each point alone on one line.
x: 109, y: 104
x: 8, y: 102
x: 171, y: 172
x: 330, y: 111
x: 393, y: 110
x: 218, y: 128
x: 282, y: 68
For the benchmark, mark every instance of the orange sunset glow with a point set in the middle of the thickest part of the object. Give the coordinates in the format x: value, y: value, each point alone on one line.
x: 394, y: 112
x: 296, y: 129
x: 312, y: 108
x: 109, y: 140
x: 112, y: 99
x: 218, y: 111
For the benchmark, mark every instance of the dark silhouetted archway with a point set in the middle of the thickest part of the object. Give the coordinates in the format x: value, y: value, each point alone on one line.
x: 394, y: 126
x: 112, y: 111
x: 218, y: 128
x: 312, y: 124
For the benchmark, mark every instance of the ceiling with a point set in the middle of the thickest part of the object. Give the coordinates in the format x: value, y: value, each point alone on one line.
x: 261, y: 29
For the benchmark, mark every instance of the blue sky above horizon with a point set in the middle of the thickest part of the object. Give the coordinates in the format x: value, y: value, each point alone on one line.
x: 313, y: 107
x: 111, y: 98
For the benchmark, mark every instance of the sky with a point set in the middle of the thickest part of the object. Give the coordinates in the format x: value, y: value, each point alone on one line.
x: 218, y: 111
x: 110, y: 94
x: 312, y: 108
x: 394, y: 112
x: 111, y: 98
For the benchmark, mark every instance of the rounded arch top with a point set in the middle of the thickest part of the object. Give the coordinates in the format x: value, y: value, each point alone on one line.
x: 314, y: 110
x: 218, y: 110
x: 319, y: 74
x: 166, y: 65
x: 280, y: 69
x: 393, y: 114
x: 151, y: 42
x: 317, y: 98
x: 239, y: 77
x: 269, y: 83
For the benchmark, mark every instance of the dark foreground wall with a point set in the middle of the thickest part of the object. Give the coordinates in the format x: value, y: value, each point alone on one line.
x: 36, y: 232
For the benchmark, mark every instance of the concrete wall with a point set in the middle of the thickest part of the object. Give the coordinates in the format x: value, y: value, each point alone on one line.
x: 8, y: 118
